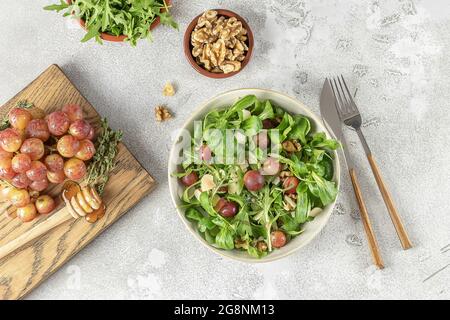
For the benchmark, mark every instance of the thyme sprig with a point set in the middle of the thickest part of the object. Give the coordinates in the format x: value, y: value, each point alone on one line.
x: 104, y: 159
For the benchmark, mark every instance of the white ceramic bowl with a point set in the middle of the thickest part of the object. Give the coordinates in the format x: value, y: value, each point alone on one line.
x: 289, y: 104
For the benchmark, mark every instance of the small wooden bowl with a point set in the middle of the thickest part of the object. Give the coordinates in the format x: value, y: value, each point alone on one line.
x: 112, y: 38
x: 188, y: 46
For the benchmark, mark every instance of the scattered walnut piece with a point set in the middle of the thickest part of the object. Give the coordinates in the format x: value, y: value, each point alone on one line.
x: 291, y: 146
x: 219, y: 43
x: 162, y: 114
x: 168, y: 90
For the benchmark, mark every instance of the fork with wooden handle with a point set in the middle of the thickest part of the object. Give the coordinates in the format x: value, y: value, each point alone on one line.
x: 349, y: 114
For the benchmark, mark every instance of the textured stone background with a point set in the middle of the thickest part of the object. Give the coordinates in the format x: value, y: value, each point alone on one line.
x: 394, y: 52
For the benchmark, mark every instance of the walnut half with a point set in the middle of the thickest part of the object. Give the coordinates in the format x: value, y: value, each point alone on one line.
x: 162, y: 114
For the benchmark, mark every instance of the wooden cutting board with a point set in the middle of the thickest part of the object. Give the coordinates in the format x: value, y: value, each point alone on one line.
x: 129, y: 182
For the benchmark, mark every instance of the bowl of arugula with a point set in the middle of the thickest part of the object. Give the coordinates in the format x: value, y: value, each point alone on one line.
x: 254, y: 175
x: 117, y: 21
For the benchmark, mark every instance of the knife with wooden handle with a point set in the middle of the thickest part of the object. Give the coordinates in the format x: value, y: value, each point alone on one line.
x: 333, y: 123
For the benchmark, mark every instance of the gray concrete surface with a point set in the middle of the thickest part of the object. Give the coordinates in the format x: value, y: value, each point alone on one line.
x: 394, y: 52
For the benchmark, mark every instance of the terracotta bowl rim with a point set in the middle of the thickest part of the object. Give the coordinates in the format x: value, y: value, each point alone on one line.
x: 112, y: 38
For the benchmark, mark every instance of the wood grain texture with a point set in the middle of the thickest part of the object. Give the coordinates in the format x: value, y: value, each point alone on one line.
x: 129, y: 182
x: 373, y: 244
x: 395, y: 216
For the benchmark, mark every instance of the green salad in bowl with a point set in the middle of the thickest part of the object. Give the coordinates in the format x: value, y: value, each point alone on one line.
x: 252, y: 175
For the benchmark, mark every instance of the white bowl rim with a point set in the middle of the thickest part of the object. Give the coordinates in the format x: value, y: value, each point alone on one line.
x: 226, y: 253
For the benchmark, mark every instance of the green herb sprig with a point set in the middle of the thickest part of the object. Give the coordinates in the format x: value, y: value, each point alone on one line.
x: 132, y: 18
x: 104, y: 159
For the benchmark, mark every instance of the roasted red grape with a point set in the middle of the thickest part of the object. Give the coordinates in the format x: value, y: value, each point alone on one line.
x: 19, y: 197
x: 189, y: 179
x: 56, y: 177
x: 68, y: 146
x: 39, y: 185
x: 45, y: 204
x: 37, y: 172
x: 5, y: 154
x: 54, y: 162
x: 271, y: 166
x: 73, y: 111
x: 86, y: 150
x: 33, y: 147
x: 21, y: 162
x: 6, y: 170
x: 278, y: 239
x: 19, y: 118
x: 290, y: 184
x: 268, y: 124
x: 20, y: 181
x: 91, y: 134
x: 253, y: 180
x: 262, y: 140
x: 37, y: 128
x: 27, y: 213
x: 205, y: 153
x: 10, y: 140
x: 228, y: 209
x: 74, y: 169
x: 58, y: 123
x: 80, y: 129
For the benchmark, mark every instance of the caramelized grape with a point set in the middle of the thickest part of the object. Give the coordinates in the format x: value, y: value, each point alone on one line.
x: 37, y: 172
x: 39, y: 185
x: 58, y: 123
x: 20, y: 181
x: 21, y: 163
x: 262, y: 140
x: 37, y: 128
x: 27, y: 213
x: 19, y: 118
x: 278, y: 239
x: 54, y: 162
x: 10, y: 140
x: 189, y: 179
x: 73, y: 111
x: 80, y: 129
x: 68, y: 146
x: 45, y: 204
x: 33, y: 147
x: 19, y: 197
x: 91, y: 134
x: 86, y: 151
x: 290, y: 184
x: 5, y: 154
x: 253, y: 180
x: 74, y: 169
x: 6, y: 170
x: 271, y: 167
x: 56, y: 177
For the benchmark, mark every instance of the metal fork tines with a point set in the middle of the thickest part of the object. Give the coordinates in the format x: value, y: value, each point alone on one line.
x: 350, y: 115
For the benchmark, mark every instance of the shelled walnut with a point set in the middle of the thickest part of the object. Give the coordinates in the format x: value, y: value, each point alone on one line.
x: 219, y: 43
x: 162, y: 114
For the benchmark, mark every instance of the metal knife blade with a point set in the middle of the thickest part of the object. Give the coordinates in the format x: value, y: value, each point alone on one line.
x: 331, y: 118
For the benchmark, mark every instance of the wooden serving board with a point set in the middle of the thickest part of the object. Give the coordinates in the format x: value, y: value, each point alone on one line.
x: 129, y: 182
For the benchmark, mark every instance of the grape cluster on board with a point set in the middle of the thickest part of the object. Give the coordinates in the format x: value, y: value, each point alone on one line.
x: 38, y: 149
